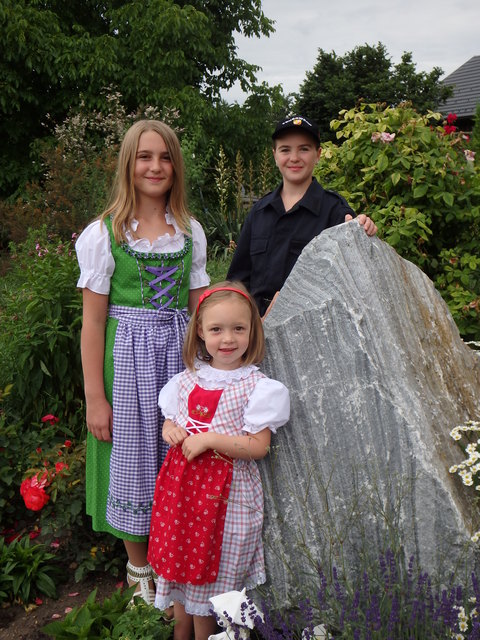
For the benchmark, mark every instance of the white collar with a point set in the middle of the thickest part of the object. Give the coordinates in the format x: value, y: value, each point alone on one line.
x: 209, y: 373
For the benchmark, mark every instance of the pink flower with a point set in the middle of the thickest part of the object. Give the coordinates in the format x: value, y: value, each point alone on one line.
x: 469, y: 155
x: 50, y: 418
x: 387, y: 137
x: 383, y: 137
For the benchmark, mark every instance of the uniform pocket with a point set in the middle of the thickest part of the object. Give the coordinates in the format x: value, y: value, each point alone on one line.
x: 258, y: 245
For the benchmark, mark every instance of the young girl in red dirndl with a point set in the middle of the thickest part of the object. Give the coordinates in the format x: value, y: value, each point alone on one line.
x: 207, y: 517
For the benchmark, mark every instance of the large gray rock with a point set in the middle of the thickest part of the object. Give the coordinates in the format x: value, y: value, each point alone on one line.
x: 378, y: 377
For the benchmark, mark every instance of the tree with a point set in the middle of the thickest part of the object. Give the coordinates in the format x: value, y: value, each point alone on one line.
x: 159, y: 52
x: 366, y: 73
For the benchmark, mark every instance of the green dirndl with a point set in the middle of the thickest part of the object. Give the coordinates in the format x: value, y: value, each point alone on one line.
x: 134, y: 290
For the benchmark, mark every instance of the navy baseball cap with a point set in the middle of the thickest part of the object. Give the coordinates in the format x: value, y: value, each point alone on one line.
x: 297, y: 122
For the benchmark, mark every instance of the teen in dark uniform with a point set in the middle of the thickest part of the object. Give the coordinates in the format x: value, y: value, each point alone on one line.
x: 283, y: 222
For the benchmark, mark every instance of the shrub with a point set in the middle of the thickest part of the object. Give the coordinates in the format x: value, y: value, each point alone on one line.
x: 420, y: 185
x: 40, y: 318
x: 113, y: 619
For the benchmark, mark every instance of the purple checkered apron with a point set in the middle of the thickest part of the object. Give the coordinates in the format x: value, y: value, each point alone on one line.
x: 241, y: 562
x: 147, y: 353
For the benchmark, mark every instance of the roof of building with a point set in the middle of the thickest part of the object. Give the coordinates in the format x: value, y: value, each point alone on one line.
x: 466, y: 89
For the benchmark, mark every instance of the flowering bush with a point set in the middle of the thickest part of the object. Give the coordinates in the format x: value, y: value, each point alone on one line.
x: 36, y: 489
x: 421, y: 186
x: 468, y: 469
x: 468, y: 623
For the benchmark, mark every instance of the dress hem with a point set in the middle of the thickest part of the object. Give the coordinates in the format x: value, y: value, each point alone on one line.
x: 177, y: 595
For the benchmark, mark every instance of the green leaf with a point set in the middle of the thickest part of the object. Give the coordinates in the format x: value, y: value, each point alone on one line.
x: 43, y: 367
x: 382, y: 162
x: 420, y: 190
x: 396, y: 178
x: 448, y: 198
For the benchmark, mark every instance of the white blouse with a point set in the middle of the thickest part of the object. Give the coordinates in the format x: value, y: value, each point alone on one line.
x: 268, y: 406
x: 97, y: 265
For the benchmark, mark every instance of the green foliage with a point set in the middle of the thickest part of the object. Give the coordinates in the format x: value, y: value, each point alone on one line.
x: 236, y: 190
x: 475, y: 143
x: 365, y: 74
x: 26, y: 571
x: 13, y: 444
x: 217, y: 268
x: 78, y: 166
x: 40, y: 318
x: 112, y: 619
x: 76, y: 49
x: 414, y: 180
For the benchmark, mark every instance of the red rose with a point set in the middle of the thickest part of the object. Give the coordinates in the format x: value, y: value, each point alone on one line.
x: 451, y: 118
x: 33, y: 494
x: 50, y: 418
x: 448, y: 128
x: 60, y: 466
x: 67, y: 443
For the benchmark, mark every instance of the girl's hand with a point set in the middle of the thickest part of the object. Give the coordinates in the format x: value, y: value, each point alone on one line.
x: 194, y: 445
x: 172, y: 433
x: 99, y: 419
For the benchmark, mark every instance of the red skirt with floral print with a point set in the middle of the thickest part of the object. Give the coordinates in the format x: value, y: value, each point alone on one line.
x: 188, y: 517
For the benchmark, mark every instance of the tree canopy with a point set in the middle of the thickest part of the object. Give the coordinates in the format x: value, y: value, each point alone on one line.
x: 365, y: 74
x: 159, y: 52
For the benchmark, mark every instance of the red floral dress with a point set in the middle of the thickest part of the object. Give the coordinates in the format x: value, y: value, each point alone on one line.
x: 206, y: 526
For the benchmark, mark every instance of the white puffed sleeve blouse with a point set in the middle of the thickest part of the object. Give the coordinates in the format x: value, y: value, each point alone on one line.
x: 97, y: 264
x: 268, y: 406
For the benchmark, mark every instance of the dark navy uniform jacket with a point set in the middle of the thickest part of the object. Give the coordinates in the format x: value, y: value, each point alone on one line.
x: 272, y: 239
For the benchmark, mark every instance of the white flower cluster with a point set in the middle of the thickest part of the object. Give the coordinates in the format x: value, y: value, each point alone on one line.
x: 469, y: 468
x: 85, y: 131
x: 463, y: 620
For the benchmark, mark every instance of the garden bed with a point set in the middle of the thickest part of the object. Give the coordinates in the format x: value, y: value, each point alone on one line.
x: 18, y: 624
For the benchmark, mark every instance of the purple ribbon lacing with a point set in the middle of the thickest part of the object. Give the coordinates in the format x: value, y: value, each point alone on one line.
x: 163, y: 274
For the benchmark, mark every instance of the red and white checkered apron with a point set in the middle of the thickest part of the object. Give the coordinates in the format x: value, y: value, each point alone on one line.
x: 236, y: 547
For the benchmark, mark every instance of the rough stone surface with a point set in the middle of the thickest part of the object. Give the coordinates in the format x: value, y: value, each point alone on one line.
x: 378, y: 377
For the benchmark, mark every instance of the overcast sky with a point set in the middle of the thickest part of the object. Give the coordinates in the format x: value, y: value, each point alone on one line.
x: 438, y: 33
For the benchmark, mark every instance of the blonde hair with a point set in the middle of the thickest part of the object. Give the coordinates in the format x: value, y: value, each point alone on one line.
x: 123, y: 202
x: 194, y: 346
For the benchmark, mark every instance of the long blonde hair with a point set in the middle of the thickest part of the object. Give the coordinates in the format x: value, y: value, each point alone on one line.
x: 123, y: 202
x: 194, y: 346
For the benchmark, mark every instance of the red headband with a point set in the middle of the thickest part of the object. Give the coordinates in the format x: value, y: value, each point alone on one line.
x: 208, y: 292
